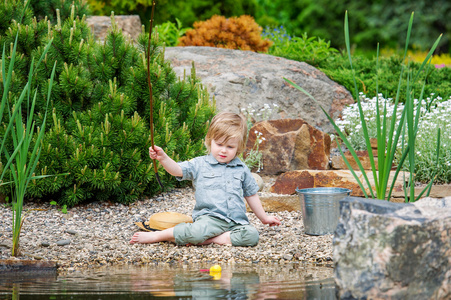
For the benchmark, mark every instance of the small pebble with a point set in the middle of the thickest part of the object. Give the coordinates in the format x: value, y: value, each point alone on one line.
x: 288, y: 257
x: 63, y: 242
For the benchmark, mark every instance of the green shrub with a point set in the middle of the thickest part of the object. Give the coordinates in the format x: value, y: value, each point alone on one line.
x: 318, y: 52
x: 169, y: 32
x: 311, y: 50
x: 48, y: 8
x: 99, y: 130
x: 337, y: 68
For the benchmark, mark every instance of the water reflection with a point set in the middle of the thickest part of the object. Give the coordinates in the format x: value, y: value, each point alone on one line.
x: 162, y: 281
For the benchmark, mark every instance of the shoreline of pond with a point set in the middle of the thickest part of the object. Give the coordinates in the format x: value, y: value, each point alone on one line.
x: 97, y: 234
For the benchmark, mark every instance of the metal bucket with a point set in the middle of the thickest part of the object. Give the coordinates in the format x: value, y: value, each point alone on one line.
x: 321, y: 208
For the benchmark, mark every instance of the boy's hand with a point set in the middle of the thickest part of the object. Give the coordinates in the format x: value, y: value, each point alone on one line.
x: 271, y: 221
x: 157, y: 154
x: 168, y: 163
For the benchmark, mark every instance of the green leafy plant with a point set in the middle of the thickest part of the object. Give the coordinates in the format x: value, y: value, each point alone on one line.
x: 20, y: 132
x: 338, y: 68
x: 63, y: 208
x: 311, y: 50
x: 386, y: 142
x: 169, y: 32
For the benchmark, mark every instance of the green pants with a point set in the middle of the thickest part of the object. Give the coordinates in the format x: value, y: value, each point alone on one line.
x: 206, y: 227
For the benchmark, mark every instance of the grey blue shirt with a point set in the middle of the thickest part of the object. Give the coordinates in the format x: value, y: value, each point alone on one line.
x: 219, y: 188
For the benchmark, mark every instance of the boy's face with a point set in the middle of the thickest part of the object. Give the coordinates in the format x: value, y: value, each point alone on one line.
x: 224, y: 152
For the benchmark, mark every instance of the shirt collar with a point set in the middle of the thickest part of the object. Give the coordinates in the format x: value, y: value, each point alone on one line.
x: 233, y: 163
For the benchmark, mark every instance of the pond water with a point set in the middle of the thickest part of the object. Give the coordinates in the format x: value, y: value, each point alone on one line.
x: 163, y: 281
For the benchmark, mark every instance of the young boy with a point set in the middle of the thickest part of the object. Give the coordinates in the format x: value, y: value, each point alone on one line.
x: 221, y: 180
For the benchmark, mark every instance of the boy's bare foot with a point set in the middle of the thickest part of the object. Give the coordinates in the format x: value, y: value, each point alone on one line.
x: 222, y: 239
x: 166, y: 235
x: 143, y: 238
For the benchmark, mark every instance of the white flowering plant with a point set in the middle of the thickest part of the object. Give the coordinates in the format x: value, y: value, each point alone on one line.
x: 389, y: 130
x: 434, y: 129
x: 434, y: 116
x: 254, y: 156
x: 351, y: 125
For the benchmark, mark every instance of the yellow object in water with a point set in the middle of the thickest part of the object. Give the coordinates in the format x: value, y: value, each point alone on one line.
x: 215, y: 269
x: 215, y: 272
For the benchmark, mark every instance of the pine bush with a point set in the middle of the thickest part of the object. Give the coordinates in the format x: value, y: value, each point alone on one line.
x: 98, y: 133
x: 241, y: 33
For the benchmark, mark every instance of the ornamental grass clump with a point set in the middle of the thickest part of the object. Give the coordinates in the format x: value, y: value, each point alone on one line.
x: 241, y: 33
x: 388, y: 134
x: 20, y: 142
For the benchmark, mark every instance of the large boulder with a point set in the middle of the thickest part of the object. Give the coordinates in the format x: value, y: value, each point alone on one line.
x: 385, y: 250
x: 290, y: 144
x: 239, y: 79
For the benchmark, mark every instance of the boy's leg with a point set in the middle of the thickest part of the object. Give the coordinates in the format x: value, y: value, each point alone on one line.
x: 239, y: 235
x: 166, y: 235
x: 244, y: 236
x: 202, y: 229
x: 222, y: 239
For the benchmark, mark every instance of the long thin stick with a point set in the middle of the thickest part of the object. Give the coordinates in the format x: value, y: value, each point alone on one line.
x: 149, y: 83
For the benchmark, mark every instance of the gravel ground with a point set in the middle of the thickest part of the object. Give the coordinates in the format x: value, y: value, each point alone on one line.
x: 98, y: 234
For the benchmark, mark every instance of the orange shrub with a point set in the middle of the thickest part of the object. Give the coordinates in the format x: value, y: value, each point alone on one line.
x: 241, y: 33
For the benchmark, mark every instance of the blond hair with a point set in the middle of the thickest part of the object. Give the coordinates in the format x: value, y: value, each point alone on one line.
x: 225, y: 126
